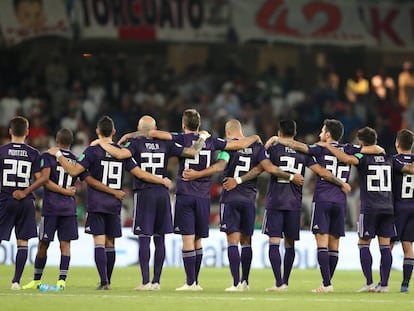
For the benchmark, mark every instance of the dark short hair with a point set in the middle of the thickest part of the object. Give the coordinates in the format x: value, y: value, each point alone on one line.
x: 64, y: 137
x: 106, y: 126
x: 287, y: 127
x: 367, y: 135
x: 16, y: 3
x: 19, y: 126
x: 405, y: 139
x: 191, y: 119
x: 335, y: 128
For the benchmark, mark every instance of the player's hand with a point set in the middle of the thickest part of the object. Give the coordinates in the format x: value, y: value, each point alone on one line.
x: 298, y: 179
x: 167, y: 183
x: 346, y: 188
x: 229, y: 183
x: 71, y: 191
x: 271, y: 141
x: 189, y: 174
x: 204, y: 133
x: 95, y: 142
x: 119, y: 194
x: 19, y: 194
x: 123, y: 139
x: 53, y: 150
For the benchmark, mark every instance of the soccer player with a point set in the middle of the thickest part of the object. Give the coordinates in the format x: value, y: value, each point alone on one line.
x: 329, y: 202
x: 153, y: 216
x: 19, y: 163
x: 402, y: 189
x: 238, y: 206
x: 376, y: 211
x: 104, y: 200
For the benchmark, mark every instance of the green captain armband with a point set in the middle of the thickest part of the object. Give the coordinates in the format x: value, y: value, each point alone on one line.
x: 223, y: 155
x: 358, y: 155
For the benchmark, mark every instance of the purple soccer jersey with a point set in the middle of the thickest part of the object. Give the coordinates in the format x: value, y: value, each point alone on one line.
x: 18, y: 164
x: 324, y: 190
x: 108, y: 170
x: 375, y: 182
x: 402, y: 184
x: 57, y: 204
x: 242, y: 161
x: 200, y: 187
x: 152, y: 156
x: 282, y: 194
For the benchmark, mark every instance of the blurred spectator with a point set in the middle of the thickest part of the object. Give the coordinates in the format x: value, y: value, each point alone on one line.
x: 227, y: 102
x: 357, y: 91
x: 406, y: 86
x: 10, y: 106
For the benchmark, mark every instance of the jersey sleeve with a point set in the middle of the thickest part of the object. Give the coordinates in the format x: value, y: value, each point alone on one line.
x: 175, y: 149
x: 310, y: 161
x: 352, y: 149
x: 261, y: 154
x: 397, y: 164
x: 219, y: 143
x: 178, y: 138
x: 47, y: 163
x: 314, y: 150
x: 130, y: 164
x: 86, y: 158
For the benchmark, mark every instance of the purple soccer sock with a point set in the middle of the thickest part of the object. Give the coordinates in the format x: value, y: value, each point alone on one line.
x: 144, y: 257
x: 288, y: 263
x: 246, y: 262
x: 199, y: 260
x: 323, y: 260
x: 234, y: 262
x: 21, y: 258
x: 110, y: 261
x: 386, y: 262
x: 366, y: 262
x: 275, y: 261
x: 159, y: 257
x: 407, y: 270
x: 100, y: 262
x: 39, y: 265
x: 333, y: 261
x: 189, y: 260
x: 64, y: 267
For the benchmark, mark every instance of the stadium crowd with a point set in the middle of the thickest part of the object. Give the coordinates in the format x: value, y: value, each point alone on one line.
x: 58, y: 96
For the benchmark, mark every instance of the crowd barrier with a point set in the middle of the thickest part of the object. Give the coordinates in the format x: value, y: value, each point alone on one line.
x: 214, y: 249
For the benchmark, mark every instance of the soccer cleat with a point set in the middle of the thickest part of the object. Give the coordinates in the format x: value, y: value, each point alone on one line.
x: 61, y: 284
x: 281, y: 288
x: 35, y: 284
x: 404, y: 289
x: 198, y: 287
x: 243, y: 286
x: 188, y: 288
x: 155, y: 286
x: 103, y: 287
x: 15, y: 286
x: 143, y: 287
x: 381, y: 289
x: 233, y: 288
x: 323, y: 289
x: 370, y: 288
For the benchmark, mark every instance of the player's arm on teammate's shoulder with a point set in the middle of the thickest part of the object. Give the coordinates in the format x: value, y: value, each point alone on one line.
x: 374, y: 149
x: 73, y: 168
x: 52, y: 186
x: 242, y: 142
x: 151, y: 178
x: 40, y: 179
x: 118, y: 153
x: 328, y: 176
x: 195, y: 148
x: 340, y: 155
x: 128, y: 136
x: 274, y: 170
x: 408, y: 168
x: 160, y: 134
x: 291, y: 143
x: 94, y: 183
x: 230, y: 183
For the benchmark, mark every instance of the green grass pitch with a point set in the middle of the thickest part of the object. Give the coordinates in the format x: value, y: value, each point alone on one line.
x: 80, y: 293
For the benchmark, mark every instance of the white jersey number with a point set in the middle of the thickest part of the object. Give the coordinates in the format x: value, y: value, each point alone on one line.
x: 245, y: 167
x: 112, y: 171
x: 154, y: 160
x: 63, y: 176
x: 289, y: 165
x: 407, y: 187
x: 19, y: 168
x: 196, y: 160
x: 336, y: 170
x: 381, y: 176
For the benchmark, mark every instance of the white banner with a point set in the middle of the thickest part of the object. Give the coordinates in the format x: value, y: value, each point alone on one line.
x: 214, y: 249
x: 148, y: 20
x: 301, y: 21
x: 22, y: 20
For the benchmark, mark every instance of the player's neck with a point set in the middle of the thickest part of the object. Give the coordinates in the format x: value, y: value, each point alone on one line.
x: 330, y: 141
x: 106, y: 139
x: 401, y: 151
x: 186, y: 131
x: 16, y: 139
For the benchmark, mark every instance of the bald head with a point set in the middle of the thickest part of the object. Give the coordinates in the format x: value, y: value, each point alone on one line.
x: 233, y: 128
x: 146, y: 123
